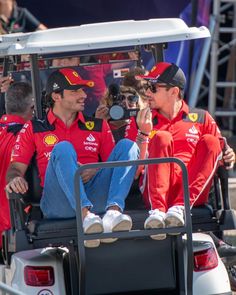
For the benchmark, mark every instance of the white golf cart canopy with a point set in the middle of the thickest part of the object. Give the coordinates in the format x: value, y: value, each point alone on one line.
x: 100, y: 36
x: 92, y: 39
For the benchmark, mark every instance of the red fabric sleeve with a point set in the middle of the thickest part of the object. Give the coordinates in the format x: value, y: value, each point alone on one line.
x: 24, y: 147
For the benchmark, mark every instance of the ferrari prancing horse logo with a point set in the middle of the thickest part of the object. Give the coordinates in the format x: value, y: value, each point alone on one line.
x: 193, y: 117
x: 89, y: 125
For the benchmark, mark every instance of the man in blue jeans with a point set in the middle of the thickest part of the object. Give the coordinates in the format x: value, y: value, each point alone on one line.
x: 67, y: 139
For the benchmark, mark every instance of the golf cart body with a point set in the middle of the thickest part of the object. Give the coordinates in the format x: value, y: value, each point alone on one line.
x: 45, y: 256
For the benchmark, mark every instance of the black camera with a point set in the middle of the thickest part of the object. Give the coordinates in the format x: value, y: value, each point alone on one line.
x: 119, y: 110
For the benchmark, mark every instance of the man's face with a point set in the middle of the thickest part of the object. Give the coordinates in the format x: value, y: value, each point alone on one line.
x: 6, y: 3
x: 129, y: 100
x: 29, y: 112
x: 158, y: 95
x: 72, y: 100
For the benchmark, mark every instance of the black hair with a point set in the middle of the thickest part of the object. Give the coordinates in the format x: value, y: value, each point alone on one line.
x: 18, y: 98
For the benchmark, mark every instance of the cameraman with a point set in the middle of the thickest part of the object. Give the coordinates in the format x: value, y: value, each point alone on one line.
x: 127, y: 99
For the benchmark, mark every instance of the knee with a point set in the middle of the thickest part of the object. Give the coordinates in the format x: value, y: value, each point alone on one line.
x: 63, y: 148
x: 163, y: 139
x: 129, y: 147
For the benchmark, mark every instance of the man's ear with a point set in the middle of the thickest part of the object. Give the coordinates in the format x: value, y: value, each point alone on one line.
x: 175, y: 91
x: 55, y: 96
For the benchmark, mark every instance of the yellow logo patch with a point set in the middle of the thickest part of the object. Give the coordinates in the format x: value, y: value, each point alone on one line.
x: 50, y: 139
x: 152, y: 134
x: 153, y: 69
x: 75, y: 74
x: 193, y: 117
x: 89, y: 125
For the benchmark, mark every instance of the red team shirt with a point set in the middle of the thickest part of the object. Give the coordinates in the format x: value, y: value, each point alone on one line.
x: 131, y: 129
x: 186, y: 129
x: 91, y: 138
x: 9, y: 127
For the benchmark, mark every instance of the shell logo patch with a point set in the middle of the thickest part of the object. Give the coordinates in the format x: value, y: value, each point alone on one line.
x: 89, y: 125
x: 50, y: 139
x: 193, y: 117
x: 152, y: 134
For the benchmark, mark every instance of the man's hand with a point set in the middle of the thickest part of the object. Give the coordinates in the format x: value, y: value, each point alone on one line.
x: 102, y: 112
x: 229, y: 158
x: 5, y: 83
x: 87, y: 174
x: 139, y: 172
x: 144, y: 120
x: 17, y: 185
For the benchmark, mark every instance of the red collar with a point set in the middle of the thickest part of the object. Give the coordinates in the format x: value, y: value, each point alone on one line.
x: 184, y: 109
x: 52, y: 118
x: 12, y: 119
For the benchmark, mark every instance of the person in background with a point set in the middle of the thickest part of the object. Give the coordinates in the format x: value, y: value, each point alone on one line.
x: 72, y: 61
x: 140, y: 85
x: 129, y: 99
x: 15, y: 19
x: 189, y: 134
x: 5, y: 83
x: 19, y: 109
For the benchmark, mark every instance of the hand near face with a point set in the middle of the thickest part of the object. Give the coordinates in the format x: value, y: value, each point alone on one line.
x: 144, y: 120
x: 102, y: 112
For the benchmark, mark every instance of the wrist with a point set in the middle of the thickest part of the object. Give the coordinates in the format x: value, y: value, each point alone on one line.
x: 140, y: 132
x: 141, y: 139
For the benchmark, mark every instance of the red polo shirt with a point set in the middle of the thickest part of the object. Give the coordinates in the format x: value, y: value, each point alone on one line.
x: 186, y: 129
x: 131, y: 129
x: 9, y: 127
x: 162, y: 184
x: 91, y: 138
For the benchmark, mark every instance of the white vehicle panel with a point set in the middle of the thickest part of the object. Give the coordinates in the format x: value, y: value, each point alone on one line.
x: 37, y: 257
x: 214, y: 281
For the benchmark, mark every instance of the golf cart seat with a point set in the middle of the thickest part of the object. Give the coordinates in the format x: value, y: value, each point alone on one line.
x: 28, y: 221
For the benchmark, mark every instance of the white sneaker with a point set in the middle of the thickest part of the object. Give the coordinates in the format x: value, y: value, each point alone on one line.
x: 92, y: 224
x: 113, y: 221
x: 175, y: 217
x: 156, y: 220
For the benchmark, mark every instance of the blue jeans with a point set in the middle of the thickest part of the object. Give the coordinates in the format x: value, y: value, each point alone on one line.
x: 109, y: 186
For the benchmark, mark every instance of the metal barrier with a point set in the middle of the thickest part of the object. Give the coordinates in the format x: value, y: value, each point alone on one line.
x: 187, y: 228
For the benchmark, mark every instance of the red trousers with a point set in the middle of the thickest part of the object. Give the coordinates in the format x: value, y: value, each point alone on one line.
x: 164, y: 187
